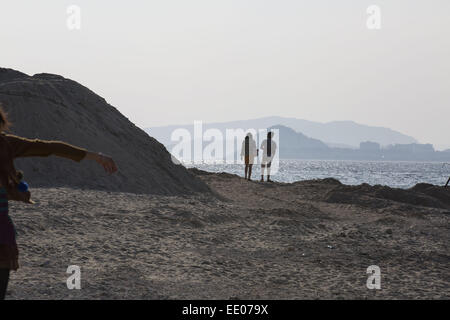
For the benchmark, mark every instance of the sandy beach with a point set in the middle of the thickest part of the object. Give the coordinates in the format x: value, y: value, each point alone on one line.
x: 132, y: 125
x: 248, y: 240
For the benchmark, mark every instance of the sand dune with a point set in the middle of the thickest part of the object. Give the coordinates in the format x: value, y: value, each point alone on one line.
x: 248, y: 240
x: 51, y: 107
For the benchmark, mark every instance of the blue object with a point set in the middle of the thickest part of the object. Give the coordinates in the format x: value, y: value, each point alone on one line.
x: 23, y: 186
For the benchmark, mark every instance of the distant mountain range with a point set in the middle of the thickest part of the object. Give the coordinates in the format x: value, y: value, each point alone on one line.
x: 335, y: 134
x: 334, y: 140
x: 295, y: 145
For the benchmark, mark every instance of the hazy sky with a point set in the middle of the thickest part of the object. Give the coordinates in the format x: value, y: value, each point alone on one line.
x: 175, y: 61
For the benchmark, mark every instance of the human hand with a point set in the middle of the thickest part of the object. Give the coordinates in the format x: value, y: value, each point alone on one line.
x: 105, y: 161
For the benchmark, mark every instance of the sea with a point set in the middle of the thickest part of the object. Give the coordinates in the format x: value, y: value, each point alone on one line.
x: 397, y: 174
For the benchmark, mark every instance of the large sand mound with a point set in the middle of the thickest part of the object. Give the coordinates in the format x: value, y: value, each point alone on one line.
x: 51, y: 107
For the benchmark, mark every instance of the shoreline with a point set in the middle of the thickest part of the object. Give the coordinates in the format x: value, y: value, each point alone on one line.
x: 404, y: 175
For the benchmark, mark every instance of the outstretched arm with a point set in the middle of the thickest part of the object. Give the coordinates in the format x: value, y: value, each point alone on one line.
x: 23, y: 147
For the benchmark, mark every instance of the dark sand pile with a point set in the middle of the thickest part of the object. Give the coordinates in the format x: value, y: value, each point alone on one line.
x: 306, y: 240
x: 51, y: 107
x: 422, y: 194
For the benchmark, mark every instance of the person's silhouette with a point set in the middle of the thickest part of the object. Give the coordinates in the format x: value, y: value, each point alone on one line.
x: 269, y: 148
x: 248, y: 152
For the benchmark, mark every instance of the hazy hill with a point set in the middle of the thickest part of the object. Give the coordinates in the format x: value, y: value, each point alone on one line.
x: 293, y: 144
x: 337, y: 133
x: 51, y: 107
x: 296, y: 145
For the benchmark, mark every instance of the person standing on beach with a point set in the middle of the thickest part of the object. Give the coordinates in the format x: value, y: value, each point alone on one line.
x: 269, y: 148
x: 249, y: 152
x: 11, y: 188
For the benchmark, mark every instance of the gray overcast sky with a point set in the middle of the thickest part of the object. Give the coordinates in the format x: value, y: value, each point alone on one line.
x: 175, y: 61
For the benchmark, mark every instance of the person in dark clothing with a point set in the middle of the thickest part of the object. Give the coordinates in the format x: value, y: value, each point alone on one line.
x: 249, y: 152
x: 4, y: 277
x: 11, y: 188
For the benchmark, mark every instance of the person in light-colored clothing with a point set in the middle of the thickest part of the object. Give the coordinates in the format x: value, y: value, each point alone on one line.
x: 269, y: 148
